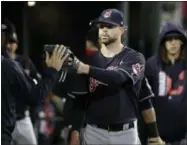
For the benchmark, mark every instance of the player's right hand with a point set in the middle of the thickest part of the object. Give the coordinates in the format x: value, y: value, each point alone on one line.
x: 56, y: 60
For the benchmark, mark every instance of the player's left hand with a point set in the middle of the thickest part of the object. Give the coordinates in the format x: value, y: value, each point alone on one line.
x: 155, y: 141
x: 74, y: 62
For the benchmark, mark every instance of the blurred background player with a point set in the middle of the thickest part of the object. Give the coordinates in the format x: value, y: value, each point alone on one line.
x: 24, y: 131
x: 166, y: 74
x: 18, y: 85
x: 92, y: 40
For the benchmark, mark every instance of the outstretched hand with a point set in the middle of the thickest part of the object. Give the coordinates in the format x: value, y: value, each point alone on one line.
x: 58, y: 57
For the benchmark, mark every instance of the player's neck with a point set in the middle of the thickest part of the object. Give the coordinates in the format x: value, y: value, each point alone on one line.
x: 112, y: 49
x: 12, y: 55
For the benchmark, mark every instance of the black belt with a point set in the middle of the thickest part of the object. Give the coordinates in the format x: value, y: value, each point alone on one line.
x: 116, y: 127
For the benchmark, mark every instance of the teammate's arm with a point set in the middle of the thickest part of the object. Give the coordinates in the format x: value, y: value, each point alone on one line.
x: 35, y: 93
x: 131, y: 69
x: 148, y: 112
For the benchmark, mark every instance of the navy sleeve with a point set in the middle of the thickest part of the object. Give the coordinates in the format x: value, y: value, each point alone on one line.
x: 131, y: 68
x: 70, y: 82
x: 30, y: 92
x: 145, y: 91
x: 151, y: 69
x: 62, y: 85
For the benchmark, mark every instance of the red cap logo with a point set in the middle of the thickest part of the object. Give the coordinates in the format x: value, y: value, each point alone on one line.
x: 107, y: 14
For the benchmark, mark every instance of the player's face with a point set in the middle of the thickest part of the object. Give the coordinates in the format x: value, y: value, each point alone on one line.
x: 12, y: 46
x: 109, y: 33
x: 173, y: 45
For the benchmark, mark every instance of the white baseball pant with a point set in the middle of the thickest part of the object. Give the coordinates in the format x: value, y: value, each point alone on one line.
x: 94, y: 135
x: 23, y: 133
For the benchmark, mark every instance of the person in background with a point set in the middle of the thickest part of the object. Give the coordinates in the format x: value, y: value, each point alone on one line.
x: 26, y: 63
x: 17, y: 85
x: 166, y: 73
x: 92, y: 41
x: 22, y: 134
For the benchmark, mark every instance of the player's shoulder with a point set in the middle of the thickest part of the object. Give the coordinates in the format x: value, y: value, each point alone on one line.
x: 131, y: 53
x: 8, y: 66
x: 6, y: 62
x: 152, y: 59
x: 23, y: 58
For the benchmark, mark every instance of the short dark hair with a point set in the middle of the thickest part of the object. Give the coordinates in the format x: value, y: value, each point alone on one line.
x: 10, y: 32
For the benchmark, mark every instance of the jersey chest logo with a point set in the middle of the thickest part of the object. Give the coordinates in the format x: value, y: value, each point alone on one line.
x: 93, y: 85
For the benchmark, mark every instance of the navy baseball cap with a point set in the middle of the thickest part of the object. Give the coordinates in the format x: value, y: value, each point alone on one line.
x: 3, y: 27
x: 111, y: 16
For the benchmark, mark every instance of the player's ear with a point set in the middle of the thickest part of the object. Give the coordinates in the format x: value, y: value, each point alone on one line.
x: 122, y: 30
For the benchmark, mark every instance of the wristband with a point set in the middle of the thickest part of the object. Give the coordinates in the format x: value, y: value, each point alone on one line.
x: 152, y: 129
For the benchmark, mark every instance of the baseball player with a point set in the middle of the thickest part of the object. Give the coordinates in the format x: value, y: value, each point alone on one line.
x: 17, y: 85
x: 115, y: 73
x: 167, y: 77
x: 24, y: 131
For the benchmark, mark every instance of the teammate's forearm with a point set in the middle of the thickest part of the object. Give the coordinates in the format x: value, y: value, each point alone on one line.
x: 109, y: 77
x: 39, y: 92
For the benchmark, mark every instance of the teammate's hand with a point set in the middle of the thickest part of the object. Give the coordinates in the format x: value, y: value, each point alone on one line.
x: 57, y: 58
x: 155, y: 141
x: 75, y: 139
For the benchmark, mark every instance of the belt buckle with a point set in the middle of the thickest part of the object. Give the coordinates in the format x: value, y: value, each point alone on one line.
x: 108, y: 127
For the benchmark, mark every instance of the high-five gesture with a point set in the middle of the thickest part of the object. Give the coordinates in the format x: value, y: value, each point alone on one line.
x: 56, y: 60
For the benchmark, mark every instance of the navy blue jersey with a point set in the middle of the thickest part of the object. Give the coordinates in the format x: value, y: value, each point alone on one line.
x: 17, y: 85
x: 31, y: 71
x: 8, y: 106
x: 27, y: 64
x: 114, y: 96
